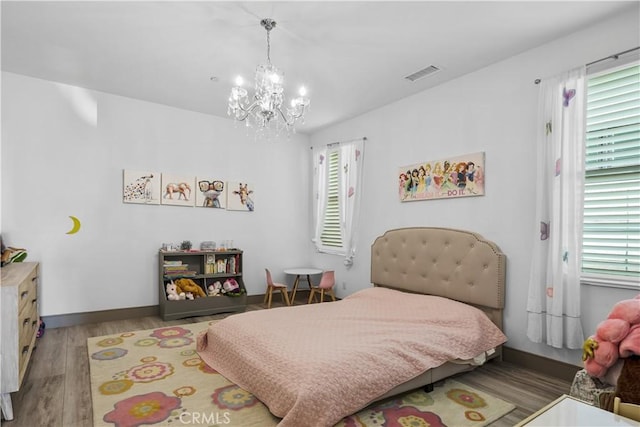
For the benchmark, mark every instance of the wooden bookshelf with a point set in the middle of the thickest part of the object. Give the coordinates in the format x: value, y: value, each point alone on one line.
x: 204, y: 268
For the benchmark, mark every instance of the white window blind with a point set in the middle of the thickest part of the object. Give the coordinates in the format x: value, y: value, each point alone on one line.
x: 331, y: 234
x: 611, y: 236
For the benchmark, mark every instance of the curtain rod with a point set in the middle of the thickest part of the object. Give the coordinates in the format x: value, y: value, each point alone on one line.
x: 615, y: 56
x: 364, y: 138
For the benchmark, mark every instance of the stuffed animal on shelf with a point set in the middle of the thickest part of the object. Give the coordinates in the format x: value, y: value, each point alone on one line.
x: 188, y: 285
x: 10, y: 255
x: 231, y: 286
x: 189, y: 295
x: 215, y: 289
x: 617, y: 338
x: 172, y: 292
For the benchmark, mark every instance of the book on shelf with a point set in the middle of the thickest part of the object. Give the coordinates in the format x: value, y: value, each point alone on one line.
x: 178, y: 274
x: 221, y: 265
x: 183, y: 267
x: 172, y: 263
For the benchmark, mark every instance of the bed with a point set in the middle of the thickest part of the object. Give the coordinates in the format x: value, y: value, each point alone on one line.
x: 435, y: 309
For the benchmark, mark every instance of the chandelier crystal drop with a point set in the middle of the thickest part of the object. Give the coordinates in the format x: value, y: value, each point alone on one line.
x: 265, y: 110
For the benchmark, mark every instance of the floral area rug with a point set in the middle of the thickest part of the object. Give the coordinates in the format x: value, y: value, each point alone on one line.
x: 155, y: 377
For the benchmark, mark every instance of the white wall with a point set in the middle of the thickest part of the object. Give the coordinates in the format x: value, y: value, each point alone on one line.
x: 64, y: 149
x: 63, y: 152
x: 491, y: 110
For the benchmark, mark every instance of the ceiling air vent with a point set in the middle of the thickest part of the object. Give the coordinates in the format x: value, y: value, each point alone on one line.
x: 422, y: 73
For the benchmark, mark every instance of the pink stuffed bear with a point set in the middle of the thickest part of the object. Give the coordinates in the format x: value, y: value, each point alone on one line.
x: 616, y: 337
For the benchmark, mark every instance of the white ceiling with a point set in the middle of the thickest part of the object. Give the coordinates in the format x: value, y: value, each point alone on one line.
x: 352, y: 56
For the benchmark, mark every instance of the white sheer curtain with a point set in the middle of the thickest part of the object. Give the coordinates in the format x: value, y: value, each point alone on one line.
x: 553, y: 304
x: 320, y: 183
x: 350, y: 184
x: 351, y: 190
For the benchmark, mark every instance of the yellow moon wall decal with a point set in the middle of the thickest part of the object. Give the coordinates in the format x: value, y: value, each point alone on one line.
x: 76, y: 225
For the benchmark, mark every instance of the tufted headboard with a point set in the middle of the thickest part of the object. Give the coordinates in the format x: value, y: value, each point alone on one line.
x: 445, y: 262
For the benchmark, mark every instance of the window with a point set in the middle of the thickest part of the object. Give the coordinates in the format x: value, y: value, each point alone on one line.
x: 331, y: 233
x: 611, y: 233
x: 337, y: 189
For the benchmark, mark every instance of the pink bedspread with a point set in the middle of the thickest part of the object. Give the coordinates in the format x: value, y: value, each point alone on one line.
x: 313, y: 365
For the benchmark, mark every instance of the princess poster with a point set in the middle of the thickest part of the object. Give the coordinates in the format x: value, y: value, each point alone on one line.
x: 460, y: 176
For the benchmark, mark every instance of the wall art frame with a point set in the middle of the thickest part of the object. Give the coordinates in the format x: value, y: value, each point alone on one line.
x: 178, y: 190
x: 452, y: 177
x: 211, y: 193
x: 141, y: 187
x: 240, y: 196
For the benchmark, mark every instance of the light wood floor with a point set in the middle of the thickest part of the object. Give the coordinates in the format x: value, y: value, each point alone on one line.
x: 56, y: 389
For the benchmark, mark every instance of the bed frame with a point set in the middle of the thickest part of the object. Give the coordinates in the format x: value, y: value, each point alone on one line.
x: 445, y: 262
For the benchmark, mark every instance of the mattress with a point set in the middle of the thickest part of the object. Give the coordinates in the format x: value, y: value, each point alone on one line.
x: 313, y: 365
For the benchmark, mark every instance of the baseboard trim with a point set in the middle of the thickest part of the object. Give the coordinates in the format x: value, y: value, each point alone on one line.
x: 73, y: 319
x: 554, y: 368
x: 255, y: 299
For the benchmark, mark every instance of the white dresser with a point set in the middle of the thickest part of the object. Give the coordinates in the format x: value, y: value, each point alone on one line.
x: 19, y: 321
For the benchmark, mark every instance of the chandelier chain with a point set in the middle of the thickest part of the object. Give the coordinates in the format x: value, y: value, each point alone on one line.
x: 268, y: 47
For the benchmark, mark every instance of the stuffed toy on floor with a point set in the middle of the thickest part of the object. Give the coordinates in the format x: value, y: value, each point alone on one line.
x: 628, y: 387
x: 612, y: 354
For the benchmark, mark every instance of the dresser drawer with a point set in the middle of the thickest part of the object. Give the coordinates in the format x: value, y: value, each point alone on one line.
x: 27, y: 325
x: 25, y: 353
x: 27, y: 290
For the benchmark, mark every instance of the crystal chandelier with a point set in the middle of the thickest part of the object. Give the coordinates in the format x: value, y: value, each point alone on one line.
x: 265, y: 110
